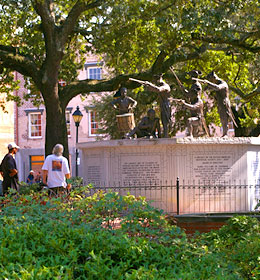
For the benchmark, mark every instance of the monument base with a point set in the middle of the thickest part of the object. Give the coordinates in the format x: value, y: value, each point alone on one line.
x: 199, y: 163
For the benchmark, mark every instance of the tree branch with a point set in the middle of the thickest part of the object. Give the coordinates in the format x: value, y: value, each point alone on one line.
x: 252, y: 94
x: 12, y: 59
x: 175, y: 58
x: 57, y: 36
x: 87, y: 86
x: 68, y: 26
x: 157, y: 66
x: 238, y: 91
x: 43, y: 9
x: 246, y: 97
x: 232, y: 42
x: 252, y: 34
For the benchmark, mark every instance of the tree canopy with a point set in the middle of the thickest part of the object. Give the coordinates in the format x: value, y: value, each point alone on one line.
x: 47, y: 40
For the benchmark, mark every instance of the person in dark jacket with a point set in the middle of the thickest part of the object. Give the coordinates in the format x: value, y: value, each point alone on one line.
x: 8, y: 169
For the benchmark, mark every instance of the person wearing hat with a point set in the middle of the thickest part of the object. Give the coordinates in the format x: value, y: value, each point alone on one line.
x: 8, y: 169
x: 30, y: 178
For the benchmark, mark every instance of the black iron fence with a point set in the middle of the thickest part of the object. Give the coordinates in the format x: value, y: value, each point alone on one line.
x: 188, y: 198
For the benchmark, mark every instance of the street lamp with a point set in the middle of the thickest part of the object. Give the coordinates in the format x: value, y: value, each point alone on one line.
x: 77, y: 116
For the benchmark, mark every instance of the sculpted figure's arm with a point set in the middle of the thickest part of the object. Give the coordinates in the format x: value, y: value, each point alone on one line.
x: 164, y: 88
x: 192, y: 107
x: 114, y: 103
x: 213, y: 86
x: 133, y: 102
x: 152, y: 87
x: 143, y: 123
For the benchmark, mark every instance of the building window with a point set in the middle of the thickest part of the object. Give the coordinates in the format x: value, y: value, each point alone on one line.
x: 35, y: 125
x: 67, y: 115
x: 93, y: 124
x: 94, y: 73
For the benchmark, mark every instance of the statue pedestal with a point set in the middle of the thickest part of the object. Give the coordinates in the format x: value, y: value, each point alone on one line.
x: 222, y: 169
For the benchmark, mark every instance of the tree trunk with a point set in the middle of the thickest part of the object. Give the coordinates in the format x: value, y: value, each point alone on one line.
x: 56, y: 129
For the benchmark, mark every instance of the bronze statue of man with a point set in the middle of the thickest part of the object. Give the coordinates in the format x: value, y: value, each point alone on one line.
x: 123, y: 103
x: 221, y: 90
x: 149, y: 126
x: 196, y: 123
x: 163, y: 90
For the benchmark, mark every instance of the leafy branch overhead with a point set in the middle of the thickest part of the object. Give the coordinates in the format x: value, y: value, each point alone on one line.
x: 47, y: 41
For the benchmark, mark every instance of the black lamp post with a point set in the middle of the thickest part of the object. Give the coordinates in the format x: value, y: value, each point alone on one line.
x: 77, y: 116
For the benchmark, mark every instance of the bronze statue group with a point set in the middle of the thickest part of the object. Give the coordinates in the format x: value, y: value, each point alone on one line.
x: 149, y: 126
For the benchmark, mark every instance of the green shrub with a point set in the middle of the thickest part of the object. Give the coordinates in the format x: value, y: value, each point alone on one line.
x: 75, y: 181
x: 238, y: 241
x: 108, y: 236
x: 25, y: 188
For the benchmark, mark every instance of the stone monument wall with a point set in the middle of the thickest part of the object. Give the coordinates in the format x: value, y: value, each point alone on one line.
x: 196, y: 162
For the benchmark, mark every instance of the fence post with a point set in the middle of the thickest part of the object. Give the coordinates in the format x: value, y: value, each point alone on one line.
x: 178, y: 195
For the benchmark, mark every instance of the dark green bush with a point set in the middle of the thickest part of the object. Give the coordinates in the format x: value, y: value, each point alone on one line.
x: 25, y: 188
x: 238, y: 242
x: 108, y: 236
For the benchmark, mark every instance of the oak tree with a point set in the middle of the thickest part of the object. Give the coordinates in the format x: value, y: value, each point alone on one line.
x: 48, y: 40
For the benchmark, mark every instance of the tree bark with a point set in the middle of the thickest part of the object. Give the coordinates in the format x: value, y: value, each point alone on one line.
x: 56, y: 129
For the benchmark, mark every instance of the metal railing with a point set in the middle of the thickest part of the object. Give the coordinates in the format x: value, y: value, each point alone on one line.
x: 187, y: 198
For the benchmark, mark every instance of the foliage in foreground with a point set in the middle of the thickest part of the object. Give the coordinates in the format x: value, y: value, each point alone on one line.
x: 80, y: 237
x: 238, y: 242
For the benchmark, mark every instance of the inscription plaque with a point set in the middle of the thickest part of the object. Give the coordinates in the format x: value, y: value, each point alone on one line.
x: 140, y: 170
x: 212, y: 167
x: 93, y: 174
